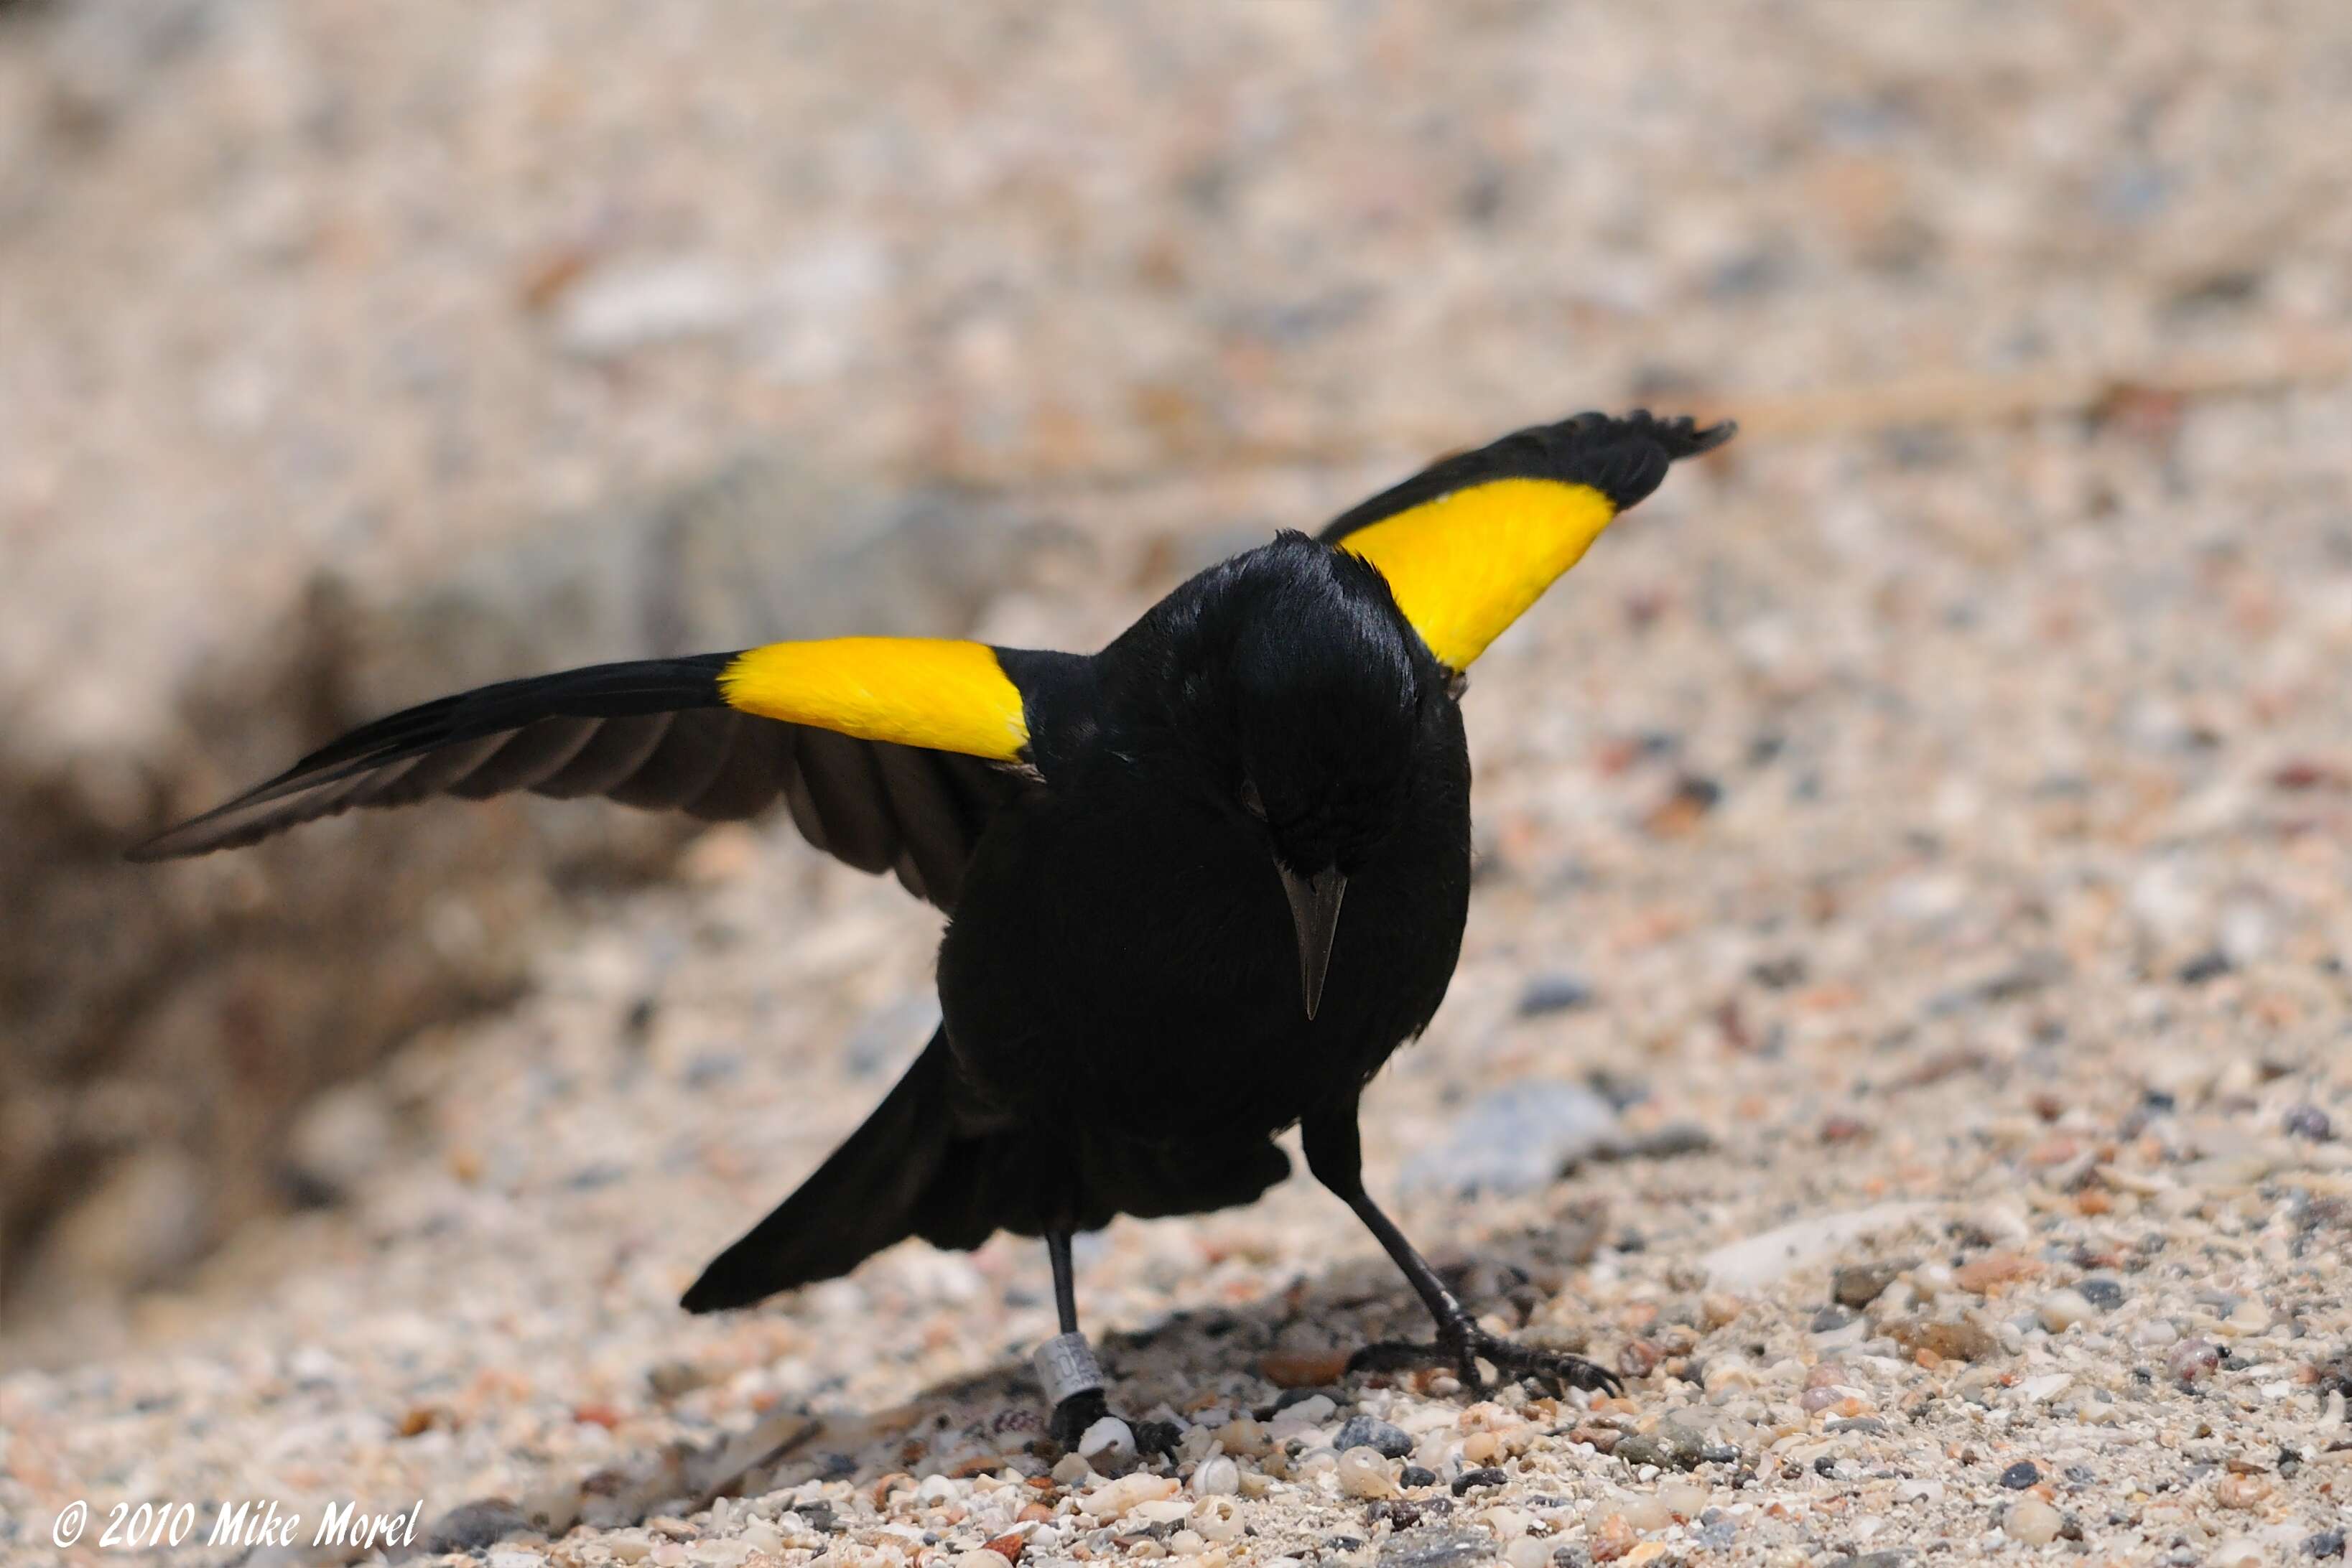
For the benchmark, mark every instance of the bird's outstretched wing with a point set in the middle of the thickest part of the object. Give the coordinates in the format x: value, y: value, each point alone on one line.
x: 888, y: 751
x: 1470, y: 542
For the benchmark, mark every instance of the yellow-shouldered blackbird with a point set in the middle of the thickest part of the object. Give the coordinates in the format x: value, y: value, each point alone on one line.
x: 1144, y: 853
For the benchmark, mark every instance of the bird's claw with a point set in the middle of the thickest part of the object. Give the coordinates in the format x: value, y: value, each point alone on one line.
x: 1072, y: 1416
x: 1464, y: 1349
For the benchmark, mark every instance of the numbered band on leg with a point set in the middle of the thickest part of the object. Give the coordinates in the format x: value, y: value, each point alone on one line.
x: 1066, y: 1366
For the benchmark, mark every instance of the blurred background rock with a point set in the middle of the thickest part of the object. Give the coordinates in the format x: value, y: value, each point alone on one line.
x: 352, y: 353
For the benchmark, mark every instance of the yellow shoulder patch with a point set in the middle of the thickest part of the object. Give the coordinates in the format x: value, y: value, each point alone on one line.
x: 1467, y: 565
x: 911, y: 691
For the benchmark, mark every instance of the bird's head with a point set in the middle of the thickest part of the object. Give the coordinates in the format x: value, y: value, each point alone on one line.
x: 1326, y: 687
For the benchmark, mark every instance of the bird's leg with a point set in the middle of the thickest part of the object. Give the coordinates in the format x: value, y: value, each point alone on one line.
x: 1066, y: 1363
x: 1335, y: 1153
x: 1074, y: 1383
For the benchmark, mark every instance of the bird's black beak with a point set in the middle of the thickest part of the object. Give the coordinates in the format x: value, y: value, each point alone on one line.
x: 1314, y: 911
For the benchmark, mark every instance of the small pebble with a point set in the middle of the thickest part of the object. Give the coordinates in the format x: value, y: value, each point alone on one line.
x: 475, y: 1524
x: 1216, y: 1476
x: 1309, y: 1410
x: 2192, y: 1359
x: 2308, y: 1121
x: 2241, y: 1491
x: 1114, y: 1499
x: 1417, y: 1476
x: 2048, y: 1386
x: 2062, y: 1309
x: 1435, y: 1546
x: 1110, y: 1440
x: 1392, y: 1442
x: 1953, y: 1340
x: 1728, y: 1372
x: 673, y: 1379
x: 1364, y: 1473
x: 2205, y: 967
x: 1613, y: 1538
x: 1217, y: 1519
x: 1672, y: 1446
x: 2325, y: 1543
x: 1469, y: 1481
x: 1554, y: 993
x: 1245, y: 1438
x: 1527, y: 1552
x: 2021, y: 1474
x: 1980, y: 1274
x: 1648, y: 1514
x: 1684, y: 1500
x: 2102, y: 1292
x: 1859, y: 1284
x: 1070, y: 1469
x: 2031, y: 1520
x: 1719, y: 1537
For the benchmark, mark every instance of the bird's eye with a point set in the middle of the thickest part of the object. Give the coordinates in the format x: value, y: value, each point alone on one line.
x: 1252, y: 802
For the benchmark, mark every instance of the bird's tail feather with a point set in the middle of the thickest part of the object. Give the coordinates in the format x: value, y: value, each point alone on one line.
x: 917, y: 1168
x: 871, y: 1193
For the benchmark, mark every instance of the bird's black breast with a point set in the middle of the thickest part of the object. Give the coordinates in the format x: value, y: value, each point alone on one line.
x: 1123, y: 963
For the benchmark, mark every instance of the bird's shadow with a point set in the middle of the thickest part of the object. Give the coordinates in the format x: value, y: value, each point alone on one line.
x: 1245, y: 1356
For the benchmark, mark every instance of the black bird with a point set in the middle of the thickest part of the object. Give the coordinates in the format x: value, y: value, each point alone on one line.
x: 1200, y: 884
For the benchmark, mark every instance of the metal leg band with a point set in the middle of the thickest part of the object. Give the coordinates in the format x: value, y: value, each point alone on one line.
x: 1066, y: 1366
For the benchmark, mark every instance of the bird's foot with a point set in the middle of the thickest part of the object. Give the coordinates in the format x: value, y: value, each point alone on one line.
x: 1066, y: 1367
x: 1072, y: 1416
x: 1075, y: 1416
x: 1463, y: 1347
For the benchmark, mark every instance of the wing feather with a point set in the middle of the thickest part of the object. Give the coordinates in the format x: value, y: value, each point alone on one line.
x: 847, y: 789
x: 932, y: 833
x: 1471, y: 542
x: 661, y: 734
x: 752, y: 777
x: 617, y: 748
x: 693, y: 748
x: 536, y: 751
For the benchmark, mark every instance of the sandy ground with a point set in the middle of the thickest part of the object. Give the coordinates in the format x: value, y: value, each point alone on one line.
x: 1914, y: 846
x: 1976, y: 888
